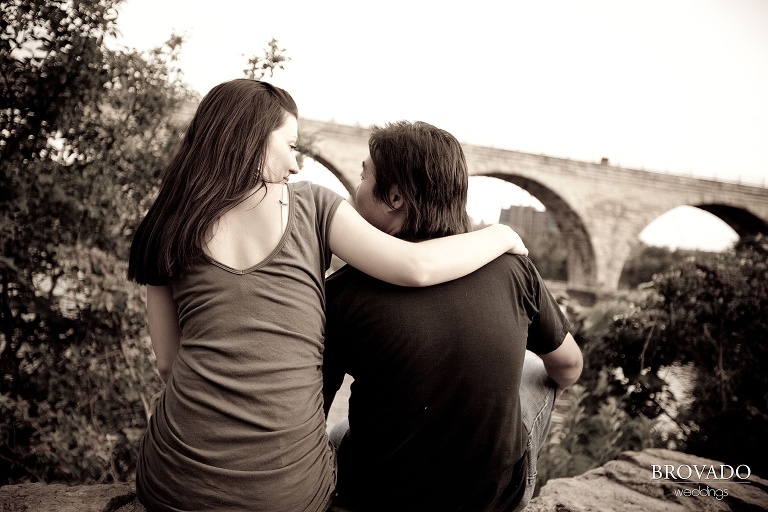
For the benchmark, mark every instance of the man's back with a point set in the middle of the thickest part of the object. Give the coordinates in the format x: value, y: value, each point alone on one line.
x: 434, y: 412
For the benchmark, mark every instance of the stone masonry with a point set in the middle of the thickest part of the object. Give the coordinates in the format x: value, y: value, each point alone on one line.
x: 600, y: 208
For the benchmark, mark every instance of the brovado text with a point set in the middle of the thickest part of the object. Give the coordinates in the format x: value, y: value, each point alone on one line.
x: 723, y: 472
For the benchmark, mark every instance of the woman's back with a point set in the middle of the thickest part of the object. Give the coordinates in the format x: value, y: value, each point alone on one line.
x: 249, y: 232
x: 241, y: 425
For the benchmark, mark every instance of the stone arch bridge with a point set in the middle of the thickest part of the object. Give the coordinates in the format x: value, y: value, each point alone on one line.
x: 599, y: 209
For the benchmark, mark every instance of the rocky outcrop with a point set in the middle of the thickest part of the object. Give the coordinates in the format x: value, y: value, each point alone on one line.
x: 63, y: 498
x: 627, y: 484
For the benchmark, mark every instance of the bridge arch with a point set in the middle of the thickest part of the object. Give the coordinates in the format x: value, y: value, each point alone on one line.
x: 744, y: 222
x: 601, y: 209
x: 328, y: 164
x: 581, y: 254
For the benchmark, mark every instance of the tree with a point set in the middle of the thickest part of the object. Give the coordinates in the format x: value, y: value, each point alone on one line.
x: 84, y: 134
x: 259, y: 67
x: 718, y: 312
x: 711, y: 314
x: 597, y: 421
x: 645, y: 261
x: 549, y: 254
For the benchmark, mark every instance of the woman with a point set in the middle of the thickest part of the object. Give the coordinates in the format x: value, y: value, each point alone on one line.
x: 234, y: 258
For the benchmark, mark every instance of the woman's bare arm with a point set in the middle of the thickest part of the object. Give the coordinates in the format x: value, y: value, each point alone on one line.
x: 434, y: 261
x: 164, y: 330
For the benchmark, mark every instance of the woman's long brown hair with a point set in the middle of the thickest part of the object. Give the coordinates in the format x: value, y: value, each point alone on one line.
x: 217, y: 164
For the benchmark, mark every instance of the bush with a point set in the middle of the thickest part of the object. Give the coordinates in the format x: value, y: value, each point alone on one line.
x: 584, y: 440
x: 707, y: 315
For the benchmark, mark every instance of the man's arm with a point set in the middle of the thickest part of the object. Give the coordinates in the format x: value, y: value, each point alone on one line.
x: 564, y: 364
x: 333, y: 373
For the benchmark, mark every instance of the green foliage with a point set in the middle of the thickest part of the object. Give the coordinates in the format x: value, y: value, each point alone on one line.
x: 645, y: 261
x: 84, y: 133
x: 586, y: 440
x: 622, y: 345
x: 548, y: 252
x: 717, y: 311
x: 591, y: 422
x: 708, y: 315
x: 260, y: 67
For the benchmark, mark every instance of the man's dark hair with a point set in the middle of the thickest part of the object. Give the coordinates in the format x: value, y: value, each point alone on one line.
x: 428, y: 166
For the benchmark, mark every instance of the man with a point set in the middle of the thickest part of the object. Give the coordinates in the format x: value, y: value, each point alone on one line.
x: 438, y: 417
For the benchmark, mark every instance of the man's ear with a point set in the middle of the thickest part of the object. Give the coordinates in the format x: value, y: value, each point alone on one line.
x: 396, y: 199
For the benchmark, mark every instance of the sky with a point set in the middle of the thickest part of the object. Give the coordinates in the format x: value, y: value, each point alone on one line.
x: 675, y: 86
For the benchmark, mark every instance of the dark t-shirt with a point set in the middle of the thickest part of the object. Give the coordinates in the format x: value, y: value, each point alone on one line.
x: 434, y: 412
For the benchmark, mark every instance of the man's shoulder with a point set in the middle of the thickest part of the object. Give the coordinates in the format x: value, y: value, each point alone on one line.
x: 342, y: 278
x: 512, y: 262
x: 344, y: 272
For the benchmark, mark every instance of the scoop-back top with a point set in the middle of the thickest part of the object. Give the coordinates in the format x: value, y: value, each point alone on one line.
x: 240, y: 424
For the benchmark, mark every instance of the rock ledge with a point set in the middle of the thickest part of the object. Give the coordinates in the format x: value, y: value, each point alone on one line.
x: 622, y: 485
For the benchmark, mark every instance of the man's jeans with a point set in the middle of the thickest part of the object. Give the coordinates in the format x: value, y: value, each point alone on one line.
x: 537, y: 399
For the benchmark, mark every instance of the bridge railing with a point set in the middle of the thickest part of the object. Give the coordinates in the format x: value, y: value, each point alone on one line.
x: 738, y: 179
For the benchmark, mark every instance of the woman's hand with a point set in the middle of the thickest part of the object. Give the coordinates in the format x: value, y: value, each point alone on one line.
x: 518, y: 246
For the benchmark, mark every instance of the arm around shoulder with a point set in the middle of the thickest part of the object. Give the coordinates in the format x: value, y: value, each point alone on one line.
x: 564, y: 364
x: 434, y: 261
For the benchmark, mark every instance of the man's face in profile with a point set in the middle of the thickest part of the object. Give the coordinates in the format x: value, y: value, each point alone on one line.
x: 376, y: 212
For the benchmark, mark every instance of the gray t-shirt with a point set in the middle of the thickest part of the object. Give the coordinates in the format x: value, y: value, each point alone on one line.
x: 240, y: 424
